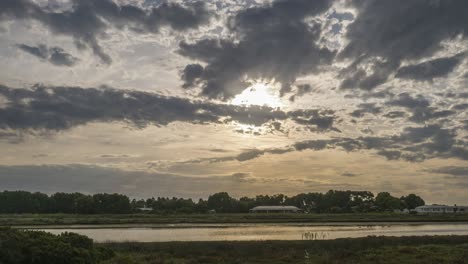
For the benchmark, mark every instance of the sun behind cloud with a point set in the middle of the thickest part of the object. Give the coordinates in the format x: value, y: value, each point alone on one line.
x: 260, y: 93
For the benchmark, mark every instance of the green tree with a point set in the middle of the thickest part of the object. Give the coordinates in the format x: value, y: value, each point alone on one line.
x: 412, y: 201
x: 105, y: 203
x: 385, y: 201
x: 221, y: 202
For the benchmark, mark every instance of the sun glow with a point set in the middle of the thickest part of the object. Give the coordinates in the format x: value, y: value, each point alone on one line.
x: 259, y: 93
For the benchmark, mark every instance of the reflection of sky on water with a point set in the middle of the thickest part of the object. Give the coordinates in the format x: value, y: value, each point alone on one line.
x: 263, y: 232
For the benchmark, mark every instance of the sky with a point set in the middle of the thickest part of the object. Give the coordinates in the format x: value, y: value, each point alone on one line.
x: 188, y: 98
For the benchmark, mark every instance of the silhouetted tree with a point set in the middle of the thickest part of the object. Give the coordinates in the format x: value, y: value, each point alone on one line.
x: 412, y: 201
x: 385, y: 201
x: 221, y: 202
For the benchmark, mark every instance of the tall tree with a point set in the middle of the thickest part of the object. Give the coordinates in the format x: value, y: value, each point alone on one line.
x: 412, y: 201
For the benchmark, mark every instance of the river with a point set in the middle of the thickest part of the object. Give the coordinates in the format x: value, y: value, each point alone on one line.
x: 243, y: 232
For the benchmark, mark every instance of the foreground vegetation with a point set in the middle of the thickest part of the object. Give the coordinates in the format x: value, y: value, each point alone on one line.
x: 391, y: 250
x: 24, y: 247
x: 33, y: 247
x: 149, y: 219
x: 104, y: 203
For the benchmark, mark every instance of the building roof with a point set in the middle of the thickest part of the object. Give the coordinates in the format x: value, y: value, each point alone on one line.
x: 276, y: 207
x: 145, y: 209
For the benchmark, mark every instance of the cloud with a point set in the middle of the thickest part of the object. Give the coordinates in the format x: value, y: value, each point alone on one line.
x: 95, y: 179
x: 390, y: 154
x: 55, y: 55
x: 245, y: 155
x: 429, y: 70
x: 419, y: 106
x: 51, y: 178
x: 88, y: 20
x: 190, y: 74
x: 465, y: 124
x: 414, y: 144
x: 365, y: 108
x: 255, y: 153
x: 271, y: 42
x: 461, y: 106
x: 60, y: 108
x: 301, y: 89
x: 407, y: 101
x: 322, y: 120
x: 395, y: 114
x: 386, y: 33
x: 349, y: 174
x: 115, y: 156
x: 452, y: 170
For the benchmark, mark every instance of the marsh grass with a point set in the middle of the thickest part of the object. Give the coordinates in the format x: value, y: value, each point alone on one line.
x: 385, y: 250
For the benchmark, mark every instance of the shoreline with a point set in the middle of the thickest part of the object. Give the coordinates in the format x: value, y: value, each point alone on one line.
x: 138, y: 220
x: 229, y: 225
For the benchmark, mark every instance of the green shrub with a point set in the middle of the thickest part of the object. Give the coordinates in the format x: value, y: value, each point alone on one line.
x: 36, y: 247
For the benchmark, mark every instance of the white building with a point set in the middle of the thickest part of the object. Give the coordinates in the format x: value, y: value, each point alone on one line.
x: 440, y: 209
x: 275, y: 209
x: 145, y: 209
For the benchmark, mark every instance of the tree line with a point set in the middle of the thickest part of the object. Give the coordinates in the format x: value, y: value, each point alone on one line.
x: 103, y: 203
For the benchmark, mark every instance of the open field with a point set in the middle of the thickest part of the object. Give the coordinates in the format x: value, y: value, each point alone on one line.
x: 385, y: 250
x: 122, y: 219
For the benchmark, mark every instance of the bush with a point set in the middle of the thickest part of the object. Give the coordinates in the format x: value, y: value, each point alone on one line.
x: 18, y: 246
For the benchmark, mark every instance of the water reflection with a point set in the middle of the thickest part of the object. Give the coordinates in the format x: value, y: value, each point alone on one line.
x: 260, y: 232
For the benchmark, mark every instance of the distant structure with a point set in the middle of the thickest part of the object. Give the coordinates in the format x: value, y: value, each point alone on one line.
x: 440, y: 209
x: 145, y: 209
x: 276, y: 209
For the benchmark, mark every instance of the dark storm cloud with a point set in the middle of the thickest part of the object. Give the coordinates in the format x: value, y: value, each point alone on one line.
x: 385, y: 33
x: 59, y: 108
x: 88, y: 20
x: 55, y: 55
x: 426, y: 71
x: 191, y: 73
x: 274, y: 42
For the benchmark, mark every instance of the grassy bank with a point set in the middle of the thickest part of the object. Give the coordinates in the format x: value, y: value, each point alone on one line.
x: 391, y: 250
x: 71, y: 219
x: 24, y: 247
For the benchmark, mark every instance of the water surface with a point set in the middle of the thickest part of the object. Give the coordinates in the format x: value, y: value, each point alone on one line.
x: 243, y: 232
